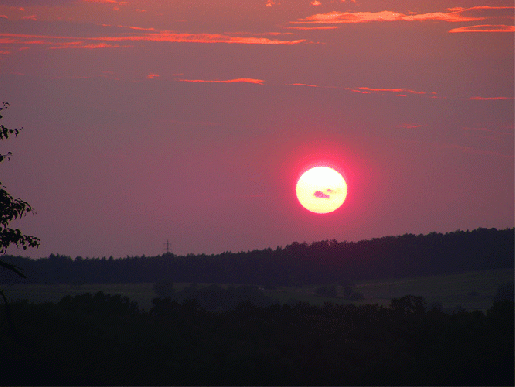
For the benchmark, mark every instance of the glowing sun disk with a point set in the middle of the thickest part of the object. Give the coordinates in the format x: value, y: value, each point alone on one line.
x: 321, y: 190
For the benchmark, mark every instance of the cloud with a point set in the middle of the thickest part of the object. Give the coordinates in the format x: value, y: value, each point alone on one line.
x: 105, y: 1
x: 163, y: 36
x: 152, y: 75
x: 502, y: 11
x: 236, y: 80
x: 167, y: 36
x: 484, y: 7
x: 366, y: 17
x: 409, y: 126
x: 321, y: 195
x: 312, y: 28
x: 451, y: 15
x: 140, y: 28
x: 400, y: 92
x: 301, y: 84
x: 18, y: 3
x: 484, y: 28
x: 316, y: 3
x: 490, y: 98
x: 98, y: 45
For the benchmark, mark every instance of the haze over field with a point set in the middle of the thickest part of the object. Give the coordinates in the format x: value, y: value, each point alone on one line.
x: 192, y: 120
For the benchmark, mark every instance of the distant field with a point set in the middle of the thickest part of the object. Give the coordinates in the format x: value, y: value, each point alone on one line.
x: 473, y: 290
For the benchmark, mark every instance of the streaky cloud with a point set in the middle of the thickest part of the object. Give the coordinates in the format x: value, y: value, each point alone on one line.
x: 301, y: 84
x: 163, y: 36
x: 304, y: 28
x: 483, y: 28
x: 235, y: 80
x: 477, y: 98
x: 366, y: 17
x: 399, y: 92
x: 103, y: 1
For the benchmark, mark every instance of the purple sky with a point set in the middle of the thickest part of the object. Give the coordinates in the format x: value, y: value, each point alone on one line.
x: 191, y: 120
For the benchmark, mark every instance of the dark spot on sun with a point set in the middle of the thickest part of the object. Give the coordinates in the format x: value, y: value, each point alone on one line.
x: 321, y: 195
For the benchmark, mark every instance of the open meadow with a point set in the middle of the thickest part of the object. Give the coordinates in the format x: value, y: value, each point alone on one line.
x: 471, y: 291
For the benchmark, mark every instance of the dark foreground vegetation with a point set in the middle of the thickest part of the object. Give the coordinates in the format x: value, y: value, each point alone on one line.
x: 101, y: 339
x: 298, y: 264
x: 230, y: 335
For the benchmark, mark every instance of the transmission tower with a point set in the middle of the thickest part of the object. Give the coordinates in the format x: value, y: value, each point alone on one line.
x: 167, y: 246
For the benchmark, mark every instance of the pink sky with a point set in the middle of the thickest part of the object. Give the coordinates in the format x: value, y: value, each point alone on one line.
x: 191, y: 120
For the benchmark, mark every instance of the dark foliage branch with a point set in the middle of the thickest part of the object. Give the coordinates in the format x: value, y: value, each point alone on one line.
x: 4, y: 131
x: 13, y: 268
x: 12, y: 208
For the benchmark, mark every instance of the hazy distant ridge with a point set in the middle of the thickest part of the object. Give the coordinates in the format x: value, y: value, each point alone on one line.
x: 323, y: 262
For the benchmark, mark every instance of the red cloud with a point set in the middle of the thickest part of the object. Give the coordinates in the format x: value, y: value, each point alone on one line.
x: 453, y: 15
x: 443, y: 16
x: 484, y: 28
x: 141, y: 28
x: 302, y: 84
x: 490, y: 98
x: 166, y: 36
x: 314, y: 28
x: 409, y: 126
x: 367, y: 90
x: 163, y: 36
x: 100, y: 45
x: 236, y: 80
x: 365, y: 17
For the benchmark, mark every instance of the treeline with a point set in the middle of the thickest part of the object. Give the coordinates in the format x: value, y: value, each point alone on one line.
x: 298, y: 264
x: 107, y: 340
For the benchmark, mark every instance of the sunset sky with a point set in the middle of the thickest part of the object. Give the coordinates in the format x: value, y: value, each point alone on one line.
x: 191, y: 121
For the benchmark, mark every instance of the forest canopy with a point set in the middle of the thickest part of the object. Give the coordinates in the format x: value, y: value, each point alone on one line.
x: 298, y: 264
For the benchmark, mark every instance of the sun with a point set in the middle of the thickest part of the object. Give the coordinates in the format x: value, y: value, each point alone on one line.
x: 321, y: 190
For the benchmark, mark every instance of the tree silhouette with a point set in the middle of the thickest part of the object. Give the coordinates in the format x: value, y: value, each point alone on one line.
x: 11, y: 208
